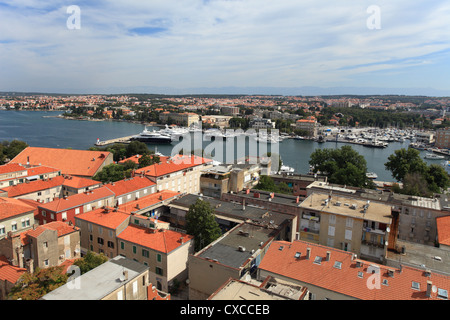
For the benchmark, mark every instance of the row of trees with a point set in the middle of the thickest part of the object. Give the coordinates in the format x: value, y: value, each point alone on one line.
x: 10, y: 149
x: 345, y: 166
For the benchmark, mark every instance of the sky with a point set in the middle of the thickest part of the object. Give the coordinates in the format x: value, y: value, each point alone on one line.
x: 135, y: 45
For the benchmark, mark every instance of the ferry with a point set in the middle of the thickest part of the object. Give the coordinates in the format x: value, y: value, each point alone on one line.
x: 433, y: 156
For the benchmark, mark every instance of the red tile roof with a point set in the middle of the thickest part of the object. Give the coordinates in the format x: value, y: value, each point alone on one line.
x: 345, y: 280
x: 8, y: 272
x: 79, y: 182
x: 443, y: 230
x: 136, y: 158
x: 11, y: 207
x: 33, y: 186
x: 148, y: 201
x: 107, y: 218
x: 11, y: 167
x: 175, y: 164
x: 60, y: 227
x: 129, y: 185
x: 77, y: 200
x: 69, y: 161
x: 156, y: 239
x: 33, y: 171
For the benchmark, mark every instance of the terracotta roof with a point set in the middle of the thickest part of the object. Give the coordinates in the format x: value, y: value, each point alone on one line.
x: 148, y: 201
x: 33, y: 186
x: 11, y: 167
x: 443, y: 230
x: 11, y: 207
x: 60, y: 227
x: 79, y: 182
x: 40, y: 170
x: 69, y: 161
x: 77, y: 200
x: 107, y: 218
x: 129, y: 185
x: 349, y: 280
x: 156, y: 239
x: 8, y: 272
x: 175, y: 164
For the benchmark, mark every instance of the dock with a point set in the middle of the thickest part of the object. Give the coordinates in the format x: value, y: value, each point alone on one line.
x: 115, y: 140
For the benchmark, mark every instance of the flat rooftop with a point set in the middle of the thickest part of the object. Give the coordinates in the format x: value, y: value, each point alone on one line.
x: 99, y: 282
x: 235, y: 210
x: 247, y: 236
x: 274, y: 290
x: 346, y: 206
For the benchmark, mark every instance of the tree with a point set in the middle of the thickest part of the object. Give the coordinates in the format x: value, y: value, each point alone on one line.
x: 8, y: 150
x: 437, y: 178
x: 147, y: 160
x: 405, y: 161
x: 136, y: 147
x: 343, y: 166
x: 266, y: 183
x: 201, y: 223
x: 90, y: 261
x: 112, y: 172
x: 32, y: 286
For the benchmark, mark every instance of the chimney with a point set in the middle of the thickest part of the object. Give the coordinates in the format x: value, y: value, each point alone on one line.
x: 429, y: 286
x: 328, y: 255
x: 243, y: 204
x: 308, y: 253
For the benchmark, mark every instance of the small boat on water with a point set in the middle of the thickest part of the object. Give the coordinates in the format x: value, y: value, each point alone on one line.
x: 433, y: 156
x: 371, y: 175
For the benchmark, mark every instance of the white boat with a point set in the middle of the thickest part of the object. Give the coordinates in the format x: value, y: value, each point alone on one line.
x: 371, y: 175
x: 286, y: 169
x: 152, y: 137
x: 433, y: 156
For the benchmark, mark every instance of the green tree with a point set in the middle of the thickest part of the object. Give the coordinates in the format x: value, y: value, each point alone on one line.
x: 112, y: 172
x: 8, y: 150
x: 266, y: 183
x: 405, y: 161
x: 136, y: 147
x: 147, y: 160
x: 201, y: 223
x: 90, y: 261
x: 32, y: 286
x: 342, y: 166
x: 437, y: 178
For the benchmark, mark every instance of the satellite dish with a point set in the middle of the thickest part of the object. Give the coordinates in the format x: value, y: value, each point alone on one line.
x: 434, y: 289
x: 388, y: 229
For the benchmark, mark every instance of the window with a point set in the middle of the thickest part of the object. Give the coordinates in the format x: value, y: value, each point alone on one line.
x: 360, y: 274
x: 297, y: 255
x: 442, y: 294
x: 14, y: 226
x: 134, y: 249
x: 318, y: 260
x: 332, y: 219
x: 90, y: 227
x: 145, y: 253
x: 122, y: 245
x: 415, y: 285
x: 159, y: 271
x: 111, y: 244
x: 349, y: 223
x: 331, y: 231
x: 338, y: 265
x: 91, y: 238
x: 385, y: 282
x: 64, y: 215
x: 158, y: 257
x: 44, y: 213
x: 2, y: 230
x: 100, y: 230
x: 77, y: 210
x: 348, y: 234
x: 100, y: 240
x: 46, y: 262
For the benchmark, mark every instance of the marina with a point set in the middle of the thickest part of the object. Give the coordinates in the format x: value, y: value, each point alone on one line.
x: 56, y: 132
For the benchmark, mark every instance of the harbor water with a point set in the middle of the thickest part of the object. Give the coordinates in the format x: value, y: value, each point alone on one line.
x: 45, y: 129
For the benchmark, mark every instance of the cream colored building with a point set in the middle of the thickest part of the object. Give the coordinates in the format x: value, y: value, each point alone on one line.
x: 186, y: 119
x: 349, y: 224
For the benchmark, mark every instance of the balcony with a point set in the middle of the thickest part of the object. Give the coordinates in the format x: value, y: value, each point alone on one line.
x: 372, y: 244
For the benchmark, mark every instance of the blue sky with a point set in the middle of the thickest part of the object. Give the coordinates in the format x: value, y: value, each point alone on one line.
x: 223, y: 43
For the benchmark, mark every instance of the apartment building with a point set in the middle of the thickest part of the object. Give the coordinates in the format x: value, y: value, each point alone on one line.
x: 442, y: 138
x: 298, y: 182
x: 9, y: 277
x: 153, y: 205
x: 51, y: 244
x: 131, y: 189
x: 333, y: 274
x: 40, y: 190
x: 234, y: 255
x: 308, y: 125
x: 15, y: 215
x: 414, y: 218
x: 425, y: 137
x: 164, y: 251
x: 117, y: 279
x: 185, y: 119
x: 15, y: 173
x: 349, y: 224
x: 99, y: 229
x: 74, y: 185
x: 261, y: 123
x: 66, y: 208
x: 180, y: 173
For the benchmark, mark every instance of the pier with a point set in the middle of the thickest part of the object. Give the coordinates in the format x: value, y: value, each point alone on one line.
x: 115, y: 140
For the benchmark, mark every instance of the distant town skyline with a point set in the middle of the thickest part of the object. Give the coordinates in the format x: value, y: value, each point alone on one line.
x: 225, y: 47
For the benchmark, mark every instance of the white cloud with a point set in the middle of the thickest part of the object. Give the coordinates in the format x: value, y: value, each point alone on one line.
x: 215, y: 43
